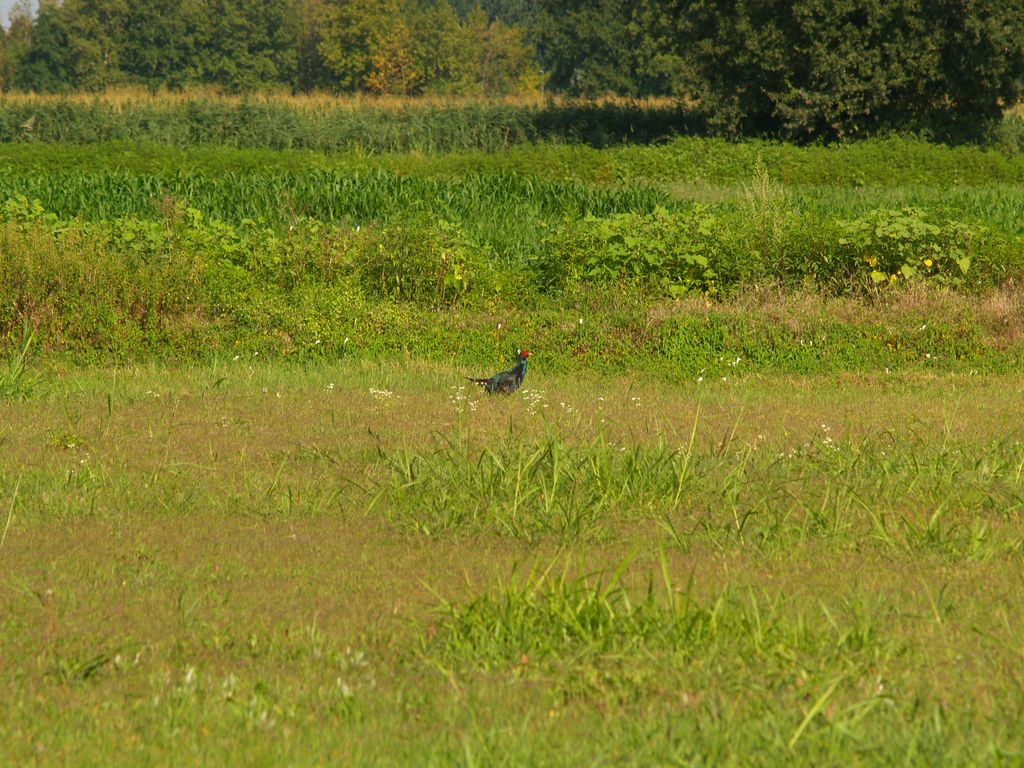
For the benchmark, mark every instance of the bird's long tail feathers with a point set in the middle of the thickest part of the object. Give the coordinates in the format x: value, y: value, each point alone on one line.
x: 478, y: 381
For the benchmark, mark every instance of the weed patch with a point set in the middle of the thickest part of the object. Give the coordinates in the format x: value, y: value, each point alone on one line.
x: 17, y: 381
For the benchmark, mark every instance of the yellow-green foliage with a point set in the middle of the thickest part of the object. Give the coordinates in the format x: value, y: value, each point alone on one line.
x: 186, y: 284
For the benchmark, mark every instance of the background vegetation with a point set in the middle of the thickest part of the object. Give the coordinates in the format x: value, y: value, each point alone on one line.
x: 815, y: 69
x: 667, y: 259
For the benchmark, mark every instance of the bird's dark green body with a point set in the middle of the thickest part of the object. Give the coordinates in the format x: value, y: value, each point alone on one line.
x: 506, y: 382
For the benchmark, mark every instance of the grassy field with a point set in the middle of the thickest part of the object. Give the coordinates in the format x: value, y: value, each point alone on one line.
x: 759, y: 501
x: 374, y: 564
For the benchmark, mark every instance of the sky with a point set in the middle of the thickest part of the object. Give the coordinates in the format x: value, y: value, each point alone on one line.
x: 5, y: 9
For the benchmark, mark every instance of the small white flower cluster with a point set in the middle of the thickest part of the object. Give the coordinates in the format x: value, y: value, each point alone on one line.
x: 533, y: 398
x: 381, y: 395
x: 461, y: 400
x: 826, y: 441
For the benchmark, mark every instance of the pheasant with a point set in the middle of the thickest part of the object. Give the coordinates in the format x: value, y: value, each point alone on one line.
x: 508, y: 381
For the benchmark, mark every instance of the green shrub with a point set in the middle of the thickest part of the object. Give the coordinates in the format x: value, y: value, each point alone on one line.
x: 715, y: 251
x: 126, y: 283
x: 890, y: 246
x: 417, y: 261
x: 903, y: 244
x: 673, y: 251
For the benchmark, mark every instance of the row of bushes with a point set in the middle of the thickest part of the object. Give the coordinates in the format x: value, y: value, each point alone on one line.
x: 82, y: 283
x: 704, y: 251
x: 699, y: 249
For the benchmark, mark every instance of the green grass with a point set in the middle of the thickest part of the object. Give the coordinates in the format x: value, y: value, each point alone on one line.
x: 755, y: 503
x: 890, y: 162
x: 507, y: 212
x: 361, y: 562
x: 867, y: 489
x: 16, y: 380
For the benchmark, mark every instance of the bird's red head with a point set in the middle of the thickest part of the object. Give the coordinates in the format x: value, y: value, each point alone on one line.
x: 523, y: 354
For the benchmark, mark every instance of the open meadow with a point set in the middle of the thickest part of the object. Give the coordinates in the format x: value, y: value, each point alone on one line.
x: 759, y: 498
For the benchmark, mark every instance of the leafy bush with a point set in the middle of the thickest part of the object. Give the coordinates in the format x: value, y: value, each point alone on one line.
x: 128, y: 283
x: 92, y: 283
x: 417, y: 261
x: 673, y: 251
x: 714, y: 251
x: 903, y: 244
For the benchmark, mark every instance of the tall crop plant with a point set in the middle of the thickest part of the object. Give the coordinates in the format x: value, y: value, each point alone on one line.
x: 428, y: 127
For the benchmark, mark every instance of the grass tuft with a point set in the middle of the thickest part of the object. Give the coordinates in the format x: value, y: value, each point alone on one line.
x: 17, y: 382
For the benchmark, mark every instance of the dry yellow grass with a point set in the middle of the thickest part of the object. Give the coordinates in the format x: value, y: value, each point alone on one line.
x: 127, y: 96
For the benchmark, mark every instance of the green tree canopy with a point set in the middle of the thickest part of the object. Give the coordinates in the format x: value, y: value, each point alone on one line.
x: 593, y: 47
x: 840, y: 68
x: 351, y: 33
x: 799, y: 69
x: 45, y: 63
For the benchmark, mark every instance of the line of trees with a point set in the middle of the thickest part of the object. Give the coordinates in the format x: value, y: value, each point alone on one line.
x: 793, y: 68
x: 384, y: 46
